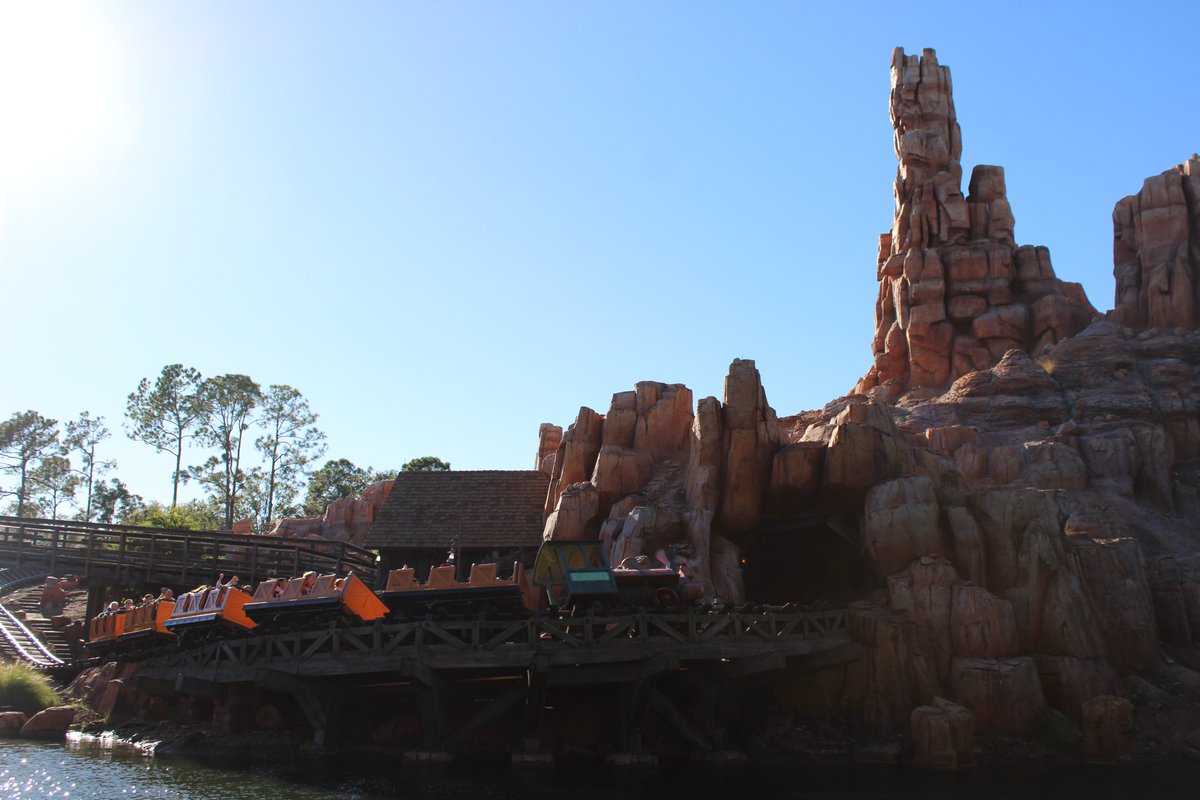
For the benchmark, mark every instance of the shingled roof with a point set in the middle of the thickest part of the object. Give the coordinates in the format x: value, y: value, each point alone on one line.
x: 482, y: 509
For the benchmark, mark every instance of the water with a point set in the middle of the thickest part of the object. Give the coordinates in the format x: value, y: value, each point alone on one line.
x: 89, y: 769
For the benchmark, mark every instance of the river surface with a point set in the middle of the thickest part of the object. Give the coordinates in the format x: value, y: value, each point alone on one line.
x: 89, y: 769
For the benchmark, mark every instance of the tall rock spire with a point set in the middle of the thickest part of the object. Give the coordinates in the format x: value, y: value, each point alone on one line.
x: 955, y: 290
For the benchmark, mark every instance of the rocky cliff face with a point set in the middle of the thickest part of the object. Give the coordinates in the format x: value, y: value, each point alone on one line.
x: 1009, y: 501
x: 1156, y: 250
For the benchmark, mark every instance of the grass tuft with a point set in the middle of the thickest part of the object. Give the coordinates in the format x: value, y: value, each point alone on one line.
x: 24, y: 689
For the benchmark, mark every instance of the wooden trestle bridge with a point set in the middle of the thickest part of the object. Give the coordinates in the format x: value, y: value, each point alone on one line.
x: 459, y: 676
x: 484, y: 671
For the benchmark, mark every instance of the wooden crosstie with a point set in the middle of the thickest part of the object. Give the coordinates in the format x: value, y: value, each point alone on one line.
x: 169, y: 557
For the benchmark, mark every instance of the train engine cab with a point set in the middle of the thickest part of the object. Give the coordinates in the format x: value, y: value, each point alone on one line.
x: 577, y: 574
x: 208, y: 608
x: 314, y: 596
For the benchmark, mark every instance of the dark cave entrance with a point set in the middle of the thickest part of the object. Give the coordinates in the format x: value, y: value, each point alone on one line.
x: 804, y: 564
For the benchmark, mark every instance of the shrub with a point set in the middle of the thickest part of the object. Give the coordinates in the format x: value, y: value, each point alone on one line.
x: 25, y: 690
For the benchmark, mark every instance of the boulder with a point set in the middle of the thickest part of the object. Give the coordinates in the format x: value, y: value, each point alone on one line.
x: 11, y: 723
x: 49, y: 723
x: 1005, y: 695
x: 1108, y: 729
x: 943, y: 735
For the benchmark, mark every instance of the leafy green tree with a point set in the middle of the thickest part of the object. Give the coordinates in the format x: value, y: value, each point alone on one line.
x: 192, y: 516
x: 25, y: 439
x: 334, y: 480
x: 227, y: 403
x: 290, y: 442
x: 426, y: 464
x: 83, y: 436
x: 114, y: 502
x: 53, y: 483
x: 166, y: 413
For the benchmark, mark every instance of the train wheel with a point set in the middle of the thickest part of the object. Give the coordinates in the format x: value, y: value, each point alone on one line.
x: 666, y: 598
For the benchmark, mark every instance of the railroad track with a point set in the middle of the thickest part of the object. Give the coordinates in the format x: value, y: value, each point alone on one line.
x: 21, y: 644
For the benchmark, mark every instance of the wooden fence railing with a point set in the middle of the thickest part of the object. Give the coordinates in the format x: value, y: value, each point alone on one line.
x: 63, y: 546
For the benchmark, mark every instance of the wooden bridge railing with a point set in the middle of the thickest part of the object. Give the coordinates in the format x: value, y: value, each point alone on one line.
x: 175, y: 556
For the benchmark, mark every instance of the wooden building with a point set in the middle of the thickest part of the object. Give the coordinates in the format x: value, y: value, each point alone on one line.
x: 481, y: 515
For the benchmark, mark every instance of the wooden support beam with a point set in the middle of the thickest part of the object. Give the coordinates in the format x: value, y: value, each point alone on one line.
x: 667, y: 710
x: 323, y: 716
x: 160, y: 687
x: 627, y: 672
x: 535, y: 705
x: 742, y: 667
x: 433, y: 692
x: 319, y: 701
x: 186, y: 684
x: 277, y: 681
x: 488, y: 714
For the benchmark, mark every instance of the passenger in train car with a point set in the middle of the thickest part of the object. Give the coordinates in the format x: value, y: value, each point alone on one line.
x: 147, y: 599
x: 279, y: 588
x: 113, y: 607
x: 127, y: 605
x: 166, y: 594
x: 310, y: 580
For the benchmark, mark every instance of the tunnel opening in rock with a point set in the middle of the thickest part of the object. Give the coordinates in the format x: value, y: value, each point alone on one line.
x: 805, y: 564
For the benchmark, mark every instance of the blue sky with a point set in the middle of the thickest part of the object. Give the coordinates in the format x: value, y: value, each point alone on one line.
x: 446, y: 223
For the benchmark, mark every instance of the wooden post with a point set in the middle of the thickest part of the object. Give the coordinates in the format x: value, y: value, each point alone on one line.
x: 53, y: 549
x: 254, y: 563
x: 150, y: 558
x: 187, y: 557
x: 535, y: 703
x: 20, y: 544
x: 121, y: 552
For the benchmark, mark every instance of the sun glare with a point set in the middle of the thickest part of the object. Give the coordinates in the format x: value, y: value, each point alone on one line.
x: 57, y: 91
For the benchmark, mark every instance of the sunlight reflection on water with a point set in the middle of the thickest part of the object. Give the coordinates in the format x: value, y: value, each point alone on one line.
x: 111, y: 770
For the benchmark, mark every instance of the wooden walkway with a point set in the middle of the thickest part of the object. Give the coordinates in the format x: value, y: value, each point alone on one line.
x: 522, y: 658
x: 134, y: 555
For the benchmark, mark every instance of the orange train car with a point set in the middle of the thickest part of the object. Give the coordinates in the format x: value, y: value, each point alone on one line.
x: 313, y: 595
x: 104, y: 628
x: 204, y: 608
x: 482, y: 588
x: 147, y: 621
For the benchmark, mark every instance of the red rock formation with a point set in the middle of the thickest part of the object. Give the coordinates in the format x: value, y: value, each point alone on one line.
x: 345, y: 520
x: 1020, y: 485
x: 955, y: 291
x: 1156, y: 251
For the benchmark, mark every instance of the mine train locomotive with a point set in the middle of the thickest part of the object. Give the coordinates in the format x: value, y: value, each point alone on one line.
x: 567, y: 577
